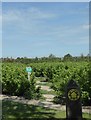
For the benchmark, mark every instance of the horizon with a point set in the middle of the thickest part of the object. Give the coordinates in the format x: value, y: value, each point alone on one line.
x: 39, y: 29
x: 45, y: 56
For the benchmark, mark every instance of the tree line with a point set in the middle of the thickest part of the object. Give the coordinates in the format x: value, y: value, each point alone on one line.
x: 50, y: 58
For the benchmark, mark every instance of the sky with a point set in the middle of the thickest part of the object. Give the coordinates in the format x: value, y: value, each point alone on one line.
x: 46, y: 0
x: 42, y: 28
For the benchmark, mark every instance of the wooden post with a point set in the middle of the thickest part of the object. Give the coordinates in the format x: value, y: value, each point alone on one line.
x: 29, y: 75
x: 73, y: 101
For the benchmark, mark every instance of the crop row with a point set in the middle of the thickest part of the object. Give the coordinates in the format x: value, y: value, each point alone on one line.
x: 14, y: 78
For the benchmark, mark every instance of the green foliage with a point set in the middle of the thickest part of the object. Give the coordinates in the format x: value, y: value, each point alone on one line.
x: 32, y: 92
x: 14, y: 78
x: 80, y: 72
x: 15, y: 82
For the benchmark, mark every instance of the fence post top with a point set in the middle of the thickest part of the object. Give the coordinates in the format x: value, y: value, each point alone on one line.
x: 72, y: 83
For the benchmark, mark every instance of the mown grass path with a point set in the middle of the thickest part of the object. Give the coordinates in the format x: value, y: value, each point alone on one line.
x: 47, y: 102
x: 18, y: 107
x: 48, y: 94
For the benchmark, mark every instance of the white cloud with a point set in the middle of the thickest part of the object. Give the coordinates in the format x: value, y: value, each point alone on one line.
x: 11, y: 16
x: 38, y: 14
x: 28, y: 14
x: 31, y: 22
x: 87, y: 26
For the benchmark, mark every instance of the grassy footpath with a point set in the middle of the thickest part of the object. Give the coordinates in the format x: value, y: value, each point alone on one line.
x: 18, y: 111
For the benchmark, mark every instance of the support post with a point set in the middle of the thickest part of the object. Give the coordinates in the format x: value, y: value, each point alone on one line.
x: 29, y: 75
x: 73, y: 101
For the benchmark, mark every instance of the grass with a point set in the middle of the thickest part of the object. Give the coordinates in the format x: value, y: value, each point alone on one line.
x: 42, y: 79
x: 48, y: 92
x: 85, y: 115
x: 18, y: 111
x: 44, y: 83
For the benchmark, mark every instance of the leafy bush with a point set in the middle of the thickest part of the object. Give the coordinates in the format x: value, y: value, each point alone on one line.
x: 14, y: 82
x: 14, y: 78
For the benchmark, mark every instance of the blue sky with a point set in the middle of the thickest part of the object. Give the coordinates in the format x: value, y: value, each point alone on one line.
x: 0, y: 30
x: 45, y: 0
x: 39, y: 29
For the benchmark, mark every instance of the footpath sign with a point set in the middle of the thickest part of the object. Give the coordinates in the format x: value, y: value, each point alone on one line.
x: 29, y: 70
x: 73, y: 101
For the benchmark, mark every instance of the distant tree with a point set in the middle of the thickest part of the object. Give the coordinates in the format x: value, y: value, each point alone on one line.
x: 82, y: 56
x: 52, y: 56
x: 67, y: 57
x: 36, y: 58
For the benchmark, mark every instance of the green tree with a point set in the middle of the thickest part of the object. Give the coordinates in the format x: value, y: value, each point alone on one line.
x: 68, y: 57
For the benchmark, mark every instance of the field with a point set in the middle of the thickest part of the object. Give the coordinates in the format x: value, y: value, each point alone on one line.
x: 55, y: 75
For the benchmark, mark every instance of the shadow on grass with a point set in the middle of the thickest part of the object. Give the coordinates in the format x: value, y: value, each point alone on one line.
x: 18, y: 111
x: 14, y: 110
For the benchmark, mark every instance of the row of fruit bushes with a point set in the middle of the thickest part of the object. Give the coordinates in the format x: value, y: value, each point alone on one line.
x: 14, y: 79
x: 15, y: 82
x: 81, y: 74
x: 60, y: 73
